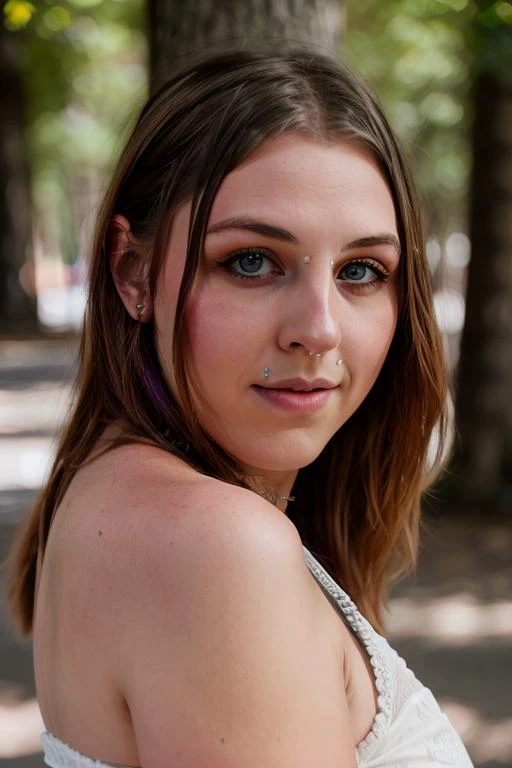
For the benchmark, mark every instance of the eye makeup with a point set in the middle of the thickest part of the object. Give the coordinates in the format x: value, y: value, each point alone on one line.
x: 258, y: 264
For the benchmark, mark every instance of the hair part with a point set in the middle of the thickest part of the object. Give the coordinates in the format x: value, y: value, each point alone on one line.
x: 358, y: 504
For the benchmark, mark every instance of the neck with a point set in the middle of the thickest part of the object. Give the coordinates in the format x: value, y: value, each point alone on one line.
x: 275, y: 486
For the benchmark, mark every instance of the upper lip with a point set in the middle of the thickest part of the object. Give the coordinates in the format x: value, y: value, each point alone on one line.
x: 302, y: 385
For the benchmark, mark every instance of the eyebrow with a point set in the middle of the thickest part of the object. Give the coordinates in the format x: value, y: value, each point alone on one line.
x: 251, y: 225
x: 278, y: 233
x: 384, y: 238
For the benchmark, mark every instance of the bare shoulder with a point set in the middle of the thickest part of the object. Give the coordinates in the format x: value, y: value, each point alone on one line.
x: 220, y: 659
x: 148, y: 498
x: 204, y: 595
x: 143, y: 517
x: 189, y: 530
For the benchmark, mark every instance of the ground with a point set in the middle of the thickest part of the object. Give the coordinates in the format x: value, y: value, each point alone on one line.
x: 452, y: 621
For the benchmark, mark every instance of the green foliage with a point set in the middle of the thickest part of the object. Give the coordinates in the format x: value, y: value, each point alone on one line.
x: 491, y: 38
x: 422, y: 57
x: 17, y: 14
x: 83, y: 69
x: 84, y: 73
x: 414, y: 54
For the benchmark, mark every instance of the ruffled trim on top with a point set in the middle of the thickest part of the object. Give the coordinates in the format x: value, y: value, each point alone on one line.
x: 60, y: 755
x: 369, y: 637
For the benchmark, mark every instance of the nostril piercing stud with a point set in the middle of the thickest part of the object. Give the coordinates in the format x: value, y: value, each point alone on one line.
x: 266, y: 373
x: 307, y: 259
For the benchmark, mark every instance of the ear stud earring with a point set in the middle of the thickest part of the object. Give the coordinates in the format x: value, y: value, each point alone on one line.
x: 339, y: 361
x: 140, y: 310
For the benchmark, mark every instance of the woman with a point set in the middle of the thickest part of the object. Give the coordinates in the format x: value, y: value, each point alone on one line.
x: 260, y: 377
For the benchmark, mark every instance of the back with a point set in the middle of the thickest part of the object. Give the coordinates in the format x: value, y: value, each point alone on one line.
x: 176, y: 618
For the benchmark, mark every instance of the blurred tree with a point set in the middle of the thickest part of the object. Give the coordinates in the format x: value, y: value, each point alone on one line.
x: 414, y: 53
x: 80, y: 64
x: 17, y: 302
x: 179, y: 31
x: 443, y: 69
x: 484, y: 411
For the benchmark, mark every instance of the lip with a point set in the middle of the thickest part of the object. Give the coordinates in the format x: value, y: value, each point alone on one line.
x: 302, y: 385
x: 292, y: 400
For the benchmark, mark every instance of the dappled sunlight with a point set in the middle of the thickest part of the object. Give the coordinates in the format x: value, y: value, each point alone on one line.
x: 35, y: 385
x: 20, y: 725
x: 38, y: 408
x: 26, y: 463
x: 457, y: 619
x: 458, y: 643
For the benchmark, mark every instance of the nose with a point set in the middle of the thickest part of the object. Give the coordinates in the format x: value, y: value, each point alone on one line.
x: 311, y: 315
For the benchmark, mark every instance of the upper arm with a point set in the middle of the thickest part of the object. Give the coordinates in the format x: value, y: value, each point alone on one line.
x: 221, y: 661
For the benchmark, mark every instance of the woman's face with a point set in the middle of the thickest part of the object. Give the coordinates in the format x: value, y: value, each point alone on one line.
x: 301, y: 256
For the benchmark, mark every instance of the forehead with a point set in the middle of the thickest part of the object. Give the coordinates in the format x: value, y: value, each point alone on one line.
x: 299, y: 176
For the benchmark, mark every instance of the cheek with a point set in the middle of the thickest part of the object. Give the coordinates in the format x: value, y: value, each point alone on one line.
x: 371, y: 336
x: 219, y: 332
x: 385, y: 322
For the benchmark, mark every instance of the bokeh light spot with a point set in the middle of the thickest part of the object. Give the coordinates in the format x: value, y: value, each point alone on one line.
x: 57, y: 18
x: 17, y: 14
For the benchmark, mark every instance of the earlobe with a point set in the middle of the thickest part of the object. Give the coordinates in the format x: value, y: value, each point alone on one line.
x: 129, y: 268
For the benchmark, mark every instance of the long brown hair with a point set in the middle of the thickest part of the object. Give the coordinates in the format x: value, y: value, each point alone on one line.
x: 358, y: 504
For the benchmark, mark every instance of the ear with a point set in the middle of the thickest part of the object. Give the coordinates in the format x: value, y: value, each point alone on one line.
x: 129, y: 265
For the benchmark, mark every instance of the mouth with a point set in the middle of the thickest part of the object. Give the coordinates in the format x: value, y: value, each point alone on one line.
x: 301, y: 385
x: 305, y: 400
x: 293, y: 389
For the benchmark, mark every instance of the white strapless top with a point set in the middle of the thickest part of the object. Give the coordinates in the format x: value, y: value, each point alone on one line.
x: 409, y: 730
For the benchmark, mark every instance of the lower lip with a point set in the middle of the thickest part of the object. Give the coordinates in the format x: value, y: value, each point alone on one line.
x: 291, y: 400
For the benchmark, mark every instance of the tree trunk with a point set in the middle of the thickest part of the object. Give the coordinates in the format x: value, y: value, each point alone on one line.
x: 485, y: 368
x: 180, y: 31
x: 17, y: 306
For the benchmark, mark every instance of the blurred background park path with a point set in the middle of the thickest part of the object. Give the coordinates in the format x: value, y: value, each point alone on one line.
x: 452, y: 621
x: 35, y: 384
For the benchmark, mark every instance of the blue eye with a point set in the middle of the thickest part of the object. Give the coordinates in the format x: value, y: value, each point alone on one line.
x: 361, y: 273
x: 254, y: 264
x: 249, y: 263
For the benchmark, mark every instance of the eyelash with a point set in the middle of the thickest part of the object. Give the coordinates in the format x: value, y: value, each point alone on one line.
x: 381, y: 275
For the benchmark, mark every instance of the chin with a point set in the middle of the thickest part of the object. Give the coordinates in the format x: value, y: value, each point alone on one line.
x: 275, y: 458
